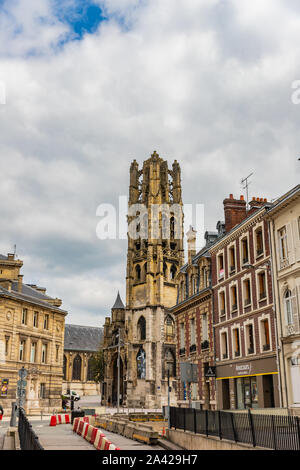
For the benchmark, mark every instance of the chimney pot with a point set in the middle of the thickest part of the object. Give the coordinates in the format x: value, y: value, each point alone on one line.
x: 241, y: 197
x: 230, y: 196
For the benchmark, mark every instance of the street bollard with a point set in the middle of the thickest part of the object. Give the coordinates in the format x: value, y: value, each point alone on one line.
x: 14, y: 414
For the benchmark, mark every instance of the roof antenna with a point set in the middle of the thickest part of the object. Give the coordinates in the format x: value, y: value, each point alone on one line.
x: 246, y: 183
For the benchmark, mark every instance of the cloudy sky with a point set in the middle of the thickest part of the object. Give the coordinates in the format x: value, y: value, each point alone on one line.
x: 91, y: 85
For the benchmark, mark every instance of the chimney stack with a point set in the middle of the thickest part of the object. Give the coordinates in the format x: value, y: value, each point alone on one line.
x: 20, y: 282
x: 235, y: 211
x: 191, y: 241
x: 256, y: 203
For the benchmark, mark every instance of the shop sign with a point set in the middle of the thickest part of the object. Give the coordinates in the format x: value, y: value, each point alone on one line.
x: 243, y: 369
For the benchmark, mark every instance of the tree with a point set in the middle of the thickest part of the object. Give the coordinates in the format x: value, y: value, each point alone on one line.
x: 97, y: 366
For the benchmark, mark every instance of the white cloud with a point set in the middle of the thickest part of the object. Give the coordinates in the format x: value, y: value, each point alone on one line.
x: 207, y: 83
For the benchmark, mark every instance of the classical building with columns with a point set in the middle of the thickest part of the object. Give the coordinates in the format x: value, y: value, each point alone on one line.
x: 31, y: 336
x: 80, y: 346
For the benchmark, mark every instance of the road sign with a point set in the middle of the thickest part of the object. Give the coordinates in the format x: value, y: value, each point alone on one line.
x: 21, y: 392
x: 22, y: 383
x: 23, y: 373
x: 210, y: 371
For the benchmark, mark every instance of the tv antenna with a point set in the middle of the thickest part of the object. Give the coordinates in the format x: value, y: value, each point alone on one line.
x: 246, y: 183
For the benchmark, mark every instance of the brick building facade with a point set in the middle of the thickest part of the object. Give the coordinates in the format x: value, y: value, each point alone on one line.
x: 244, y: 319
x: 194, y: 326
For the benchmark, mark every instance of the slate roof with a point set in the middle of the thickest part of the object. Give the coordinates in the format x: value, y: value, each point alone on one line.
x: 27, y: 290
x: 118, y: 303
x: 82, y: 338
x: 14, y: 294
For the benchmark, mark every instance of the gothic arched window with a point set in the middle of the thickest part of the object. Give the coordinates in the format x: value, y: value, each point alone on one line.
x: 169, y: 329
x: 65, y: 368
x: 289, y: 307
x: 170, y: 363
x: 76, y: 375
x: 138, y: 272
x: 165, y: 270
x: 90, y: 371
x: 172, y: 228
x: 173, y: 271
x: 141, y: 364
x: 141, y: 329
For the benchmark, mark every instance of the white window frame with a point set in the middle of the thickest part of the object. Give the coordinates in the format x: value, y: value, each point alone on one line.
x: 258, y: 272
x: 236, y: 326
x: 247, y: 277
x: 264, y: 316
x: 245, y: 236
x: 222, y: 291
x: 229, y: 247
x: 234, y: 284
x: 245, y: 325
x: 258, y: 227
x: 224, y: 331
x: 222, y: 277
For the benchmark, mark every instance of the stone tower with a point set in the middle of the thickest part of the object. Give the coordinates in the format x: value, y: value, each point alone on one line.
x: 155, y: 255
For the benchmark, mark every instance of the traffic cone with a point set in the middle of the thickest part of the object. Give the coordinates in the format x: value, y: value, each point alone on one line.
x: 53, y: 420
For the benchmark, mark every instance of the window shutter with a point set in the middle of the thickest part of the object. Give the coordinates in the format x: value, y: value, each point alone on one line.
x: 296, y: 238
x: 295, y: 310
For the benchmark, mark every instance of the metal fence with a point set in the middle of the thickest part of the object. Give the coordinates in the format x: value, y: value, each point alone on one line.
x: 28, y: 439
x: 268, y: 431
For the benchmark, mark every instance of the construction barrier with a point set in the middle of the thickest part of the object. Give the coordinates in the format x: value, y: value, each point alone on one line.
x: 53, y: 420
x: 75, y: 424
x: 92, y: 435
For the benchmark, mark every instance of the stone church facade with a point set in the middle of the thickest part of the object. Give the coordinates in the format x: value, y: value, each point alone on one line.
x: 154, y: 258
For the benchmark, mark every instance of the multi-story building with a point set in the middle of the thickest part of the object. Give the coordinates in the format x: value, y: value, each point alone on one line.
x: 31, y: 336
x: 284, y: 219
x: 194, y: 325
x: 81, y: 345
x: 244, y: 318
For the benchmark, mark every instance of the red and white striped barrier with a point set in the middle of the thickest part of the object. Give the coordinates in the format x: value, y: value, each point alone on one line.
x: 59, y: 419
x: 92, y: 435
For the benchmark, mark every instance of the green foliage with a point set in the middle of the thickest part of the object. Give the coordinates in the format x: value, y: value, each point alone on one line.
x: 97, y: 365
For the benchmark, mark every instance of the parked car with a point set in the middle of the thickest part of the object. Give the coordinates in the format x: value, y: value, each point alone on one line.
x: 72, y: 393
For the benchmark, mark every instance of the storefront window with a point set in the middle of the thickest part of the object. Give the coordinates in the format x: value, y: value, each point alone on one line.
x: 246, y: 393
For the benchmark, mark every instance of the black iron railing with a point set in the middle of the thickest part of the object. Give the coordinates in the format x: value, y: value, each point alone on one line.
x: 28, y: 439
x: 268, y: 431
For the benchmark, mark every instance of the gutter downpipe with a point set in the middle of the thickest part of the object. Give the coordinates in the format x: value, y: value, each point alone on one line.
x: 274, y: 311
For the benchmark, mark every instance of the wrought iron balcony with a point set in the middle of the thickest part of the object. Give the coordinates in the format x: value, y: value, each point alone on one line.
x: 181, y: 351
x: 225, y: 356
x: 193, y: 348
x: 205, y: 344
x: 250, y: 350
x: 266, y: 347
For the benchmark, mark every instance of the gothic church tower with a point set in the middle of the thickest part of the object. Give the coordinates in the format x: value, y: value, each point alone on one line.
x: 155, y: 255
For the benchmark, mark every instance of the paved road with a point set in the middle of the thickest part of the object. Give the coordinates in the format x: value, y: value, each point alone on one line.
x: 61, y: 437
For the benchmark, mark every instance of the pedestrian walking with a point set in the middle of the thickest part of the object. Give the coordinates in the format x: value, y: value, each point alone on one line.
x: 1, y: 412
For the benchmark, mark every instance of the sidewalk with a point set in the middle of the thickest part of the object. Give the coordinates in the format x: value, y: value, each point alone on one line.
x: 62, y: 437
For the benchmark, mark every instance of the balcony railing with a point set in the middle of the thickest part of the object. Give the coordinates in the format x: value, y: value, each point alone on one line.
x: 247, y: 302
x: 234, y: 307
x: 222, y: 312
x: 266, y: 347
x: 259, y: 252
x: 292, y: 329
x: 237, y: 353
x: 181, y: 351
x: 232, y: 269
x: 245, y: 260
x: 205, y: 344
x: 250, y: 350
x: 225, y: 356
x: 262, y: 295
x: 193, y: 348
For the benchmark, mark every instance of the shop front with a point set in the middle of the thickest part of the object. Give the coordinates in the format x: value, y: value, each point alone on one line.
x: 252, y: 384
